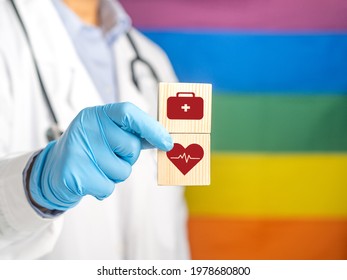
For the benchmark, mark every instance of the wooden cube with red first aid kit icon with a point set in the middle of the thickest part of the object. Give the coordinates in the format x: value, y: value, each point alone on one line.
x: 185, y: 111
x: 185, y: 108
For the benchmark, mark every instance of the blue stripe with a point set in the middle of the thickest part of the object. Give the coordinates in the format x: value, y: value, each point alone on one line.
x: 259, y: 63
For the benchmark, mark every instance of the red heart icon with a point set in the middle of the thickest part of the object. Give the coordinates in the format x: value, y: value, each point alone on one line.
x: 185, y: 158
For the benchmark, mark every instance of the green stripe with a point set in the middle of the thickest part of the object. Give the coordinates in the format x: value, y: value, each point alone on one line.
x: 279, y: 123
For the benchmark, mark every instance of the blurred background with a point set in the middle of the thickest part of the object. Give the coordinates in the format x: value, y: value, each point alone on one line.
x: 279, y: 138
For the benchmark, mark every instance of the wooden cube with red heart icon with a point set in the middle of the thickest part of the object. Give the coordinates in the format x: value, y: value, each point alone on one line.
x: 188, y: 163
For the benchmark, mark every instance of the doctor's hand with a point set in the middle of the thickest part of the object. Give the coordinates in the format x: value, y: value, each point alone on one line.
x: 96, y: 151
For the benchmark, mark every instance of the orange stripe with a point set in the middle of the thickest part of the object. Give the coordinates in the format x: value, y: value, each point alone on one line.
x: 223, y: 238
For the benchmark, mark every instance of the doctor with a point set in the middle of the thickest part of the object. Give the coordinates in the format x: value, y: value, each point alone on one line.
x: 92, y: 193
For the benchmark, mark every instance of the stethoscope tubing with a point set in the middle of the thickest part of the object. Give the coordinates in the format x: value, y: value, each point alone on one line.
x: 54, y: 132
x: 39, y: 77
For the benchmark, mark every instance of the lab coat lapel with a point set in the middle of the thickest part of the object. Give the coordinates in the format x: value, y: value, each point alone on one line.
x: 68, y: 84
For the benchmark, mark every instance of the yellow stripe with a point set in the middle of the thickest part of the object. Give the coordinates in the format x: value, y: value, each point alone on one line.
x: 273, y: 185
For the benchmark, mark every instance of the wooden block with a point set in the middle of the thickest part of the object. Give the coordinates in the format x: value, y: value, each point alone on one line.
x: 185, y: 108
x: 188, y: 163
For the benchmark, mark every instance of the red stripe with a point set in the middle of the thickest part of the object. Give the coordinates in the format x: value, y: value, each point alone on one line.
x: 317, y: 15
x: 218, y: 238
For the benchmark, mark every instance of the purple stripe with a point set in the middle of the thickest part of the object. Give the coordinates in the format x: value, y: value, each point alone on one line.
x: 287, y: 15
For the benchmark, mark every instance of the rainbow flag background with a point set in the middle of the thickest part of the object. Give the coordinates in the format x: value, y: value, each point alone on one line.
x: 279, y: 137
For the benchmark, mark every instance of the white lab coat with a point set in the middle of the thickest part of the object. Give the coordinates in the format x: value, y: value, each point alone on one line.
x: 139, y: 220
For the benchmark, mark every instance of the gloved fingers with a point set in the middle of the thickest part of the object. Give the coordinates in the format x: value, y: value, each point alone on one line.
x: 132, y: 119
x: 145, y: 145
x: 116, y: 169
x: 100, y: 187
x: 99, y: 149
x: 124, y: 144
x: 84, y: 179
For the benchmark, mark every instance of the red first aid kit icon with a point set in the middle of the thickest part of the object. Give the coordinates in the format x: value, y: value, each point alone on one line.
x: 185, y: 106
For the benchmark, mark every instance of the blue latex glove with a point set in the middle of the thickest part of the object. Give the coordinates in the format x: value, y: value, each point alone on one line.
x: 95, y: 152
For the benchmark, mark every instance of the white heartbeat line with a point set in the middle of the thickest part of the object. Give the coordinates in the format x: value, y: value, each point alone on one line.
x: 185, y: 157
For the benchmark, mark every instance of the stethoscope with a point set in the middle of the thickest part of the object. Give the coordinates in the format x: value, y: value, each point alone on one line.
x: 54, y: 132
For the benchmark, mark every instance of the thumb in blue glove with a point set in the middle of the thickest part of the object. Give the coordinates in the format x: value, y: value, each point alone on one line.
x: 96, y: 151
